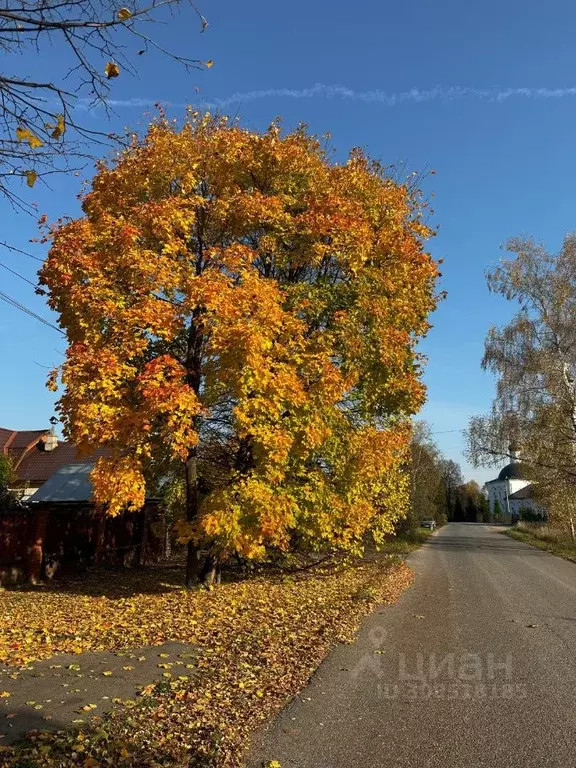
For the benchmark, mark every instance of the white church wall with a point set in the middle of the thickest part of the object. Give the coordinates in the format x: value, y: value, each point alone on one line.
x: 517, y: 485
x: 497, y: 493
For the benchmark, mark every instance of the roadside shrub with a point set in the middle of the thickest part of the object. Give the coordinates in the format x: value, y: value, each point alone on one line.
x: 530, y: 516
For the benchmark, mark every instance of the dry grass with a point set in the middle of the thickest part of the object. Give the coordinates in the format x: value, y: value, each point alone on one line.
x: 555, y: 540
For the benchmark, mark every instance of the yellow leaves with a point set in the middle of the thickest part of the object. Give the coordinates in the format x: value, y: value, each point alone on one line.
x: 184, y: 531
x: 57, y: 129
x: 124, y: 14
x: 209, y: 64
x: 91, y: 762
x: 4, y: 694
x: 52, y: 381
x: 25, y: 134
x: 31, y: 177
x: 119, y: 483
x: 259, y: 642
x: 111, y: 70
x: 274, y: 764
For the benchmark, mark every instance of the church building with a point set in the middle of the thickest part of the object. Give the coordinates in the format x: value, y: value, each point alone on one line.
x: 513, y: 491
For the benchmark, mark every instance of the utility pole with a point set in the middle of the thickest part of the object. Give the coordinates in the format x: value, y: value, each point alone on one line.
x: 508, y: 500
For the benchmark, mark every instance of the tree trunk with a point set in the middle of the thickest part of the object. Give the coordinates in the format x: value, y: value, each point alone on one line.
x: 100, y: 535
x: 572, y: 530
x: 192, y: 566
x: 167, y: 540
x: 194, y: 345
x: 210, y: 573
x: 144, y: 538
x: 192, y: 560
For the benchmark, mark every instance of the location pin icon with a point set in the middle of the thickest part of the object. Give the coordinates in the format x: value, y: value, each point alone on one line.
x: 377, y: 636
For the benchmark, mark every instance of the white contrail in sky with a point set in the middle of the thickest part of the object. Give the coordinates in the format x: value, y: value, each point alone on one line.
x: 415, y: 95
x: 388, y: 99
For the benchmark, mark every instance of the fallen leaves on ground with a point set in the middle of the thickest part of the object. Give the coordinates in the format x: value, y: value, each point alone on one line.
x: 256, y: 644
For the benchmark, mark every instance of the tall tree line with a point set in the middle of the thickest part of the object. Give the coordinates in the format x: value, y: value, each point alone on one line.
x: 438, y: 490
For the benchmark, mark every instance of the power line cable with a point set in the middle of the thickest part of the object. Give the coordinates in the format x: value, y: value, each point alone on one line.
x: 34, y: 285
x: 448, y: 431
x: 19, y: 250
x: 13, y: 303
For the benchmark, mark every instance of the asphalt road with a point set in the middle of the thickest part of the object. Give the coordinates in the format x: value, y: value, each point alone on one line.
x: 474, y: 666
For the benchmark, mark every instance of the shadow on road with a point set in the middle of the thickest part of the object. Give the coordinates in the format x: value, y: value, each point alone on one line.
x: 475, y: 543
x: 22, y: 720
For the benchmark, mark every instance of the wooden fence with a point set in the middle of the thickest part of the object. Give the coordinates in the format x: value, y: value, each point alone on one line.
x: 62, y: 538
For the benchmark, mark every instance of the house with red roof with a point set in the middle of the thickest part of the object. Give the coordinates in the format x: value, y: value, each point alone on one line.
x: 35, y: 454
x: 59, y: 527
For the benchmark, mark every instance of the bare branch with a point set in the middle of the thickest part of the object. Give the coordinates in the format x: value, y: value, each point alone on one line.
x: 39, y: 126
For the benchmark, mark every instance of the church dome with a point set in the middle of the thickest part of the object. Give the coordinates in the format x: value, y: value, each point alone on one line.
x: 512, y: 471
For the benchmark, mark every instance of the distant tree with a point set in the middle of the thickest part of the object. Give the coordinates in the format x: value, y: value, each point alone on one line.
x: 426, y: 477
x: 559, y: 501
x: 451, y: 479
x: 41, y: 131
x: 529, y: 515
x: 485, y: 515
x: 497, y: 511
x: 459, y: 511
x: 7, y: 477
x: 436, y: 482
x: 473, y: 501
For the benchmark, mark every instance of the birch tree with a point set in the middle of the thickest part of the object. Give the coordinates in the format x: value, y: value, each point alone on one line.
x: 534, y: 359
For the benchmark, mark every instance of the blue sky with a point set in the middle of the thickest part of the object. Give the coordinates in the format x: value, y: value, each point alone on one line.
x: 484, y: 94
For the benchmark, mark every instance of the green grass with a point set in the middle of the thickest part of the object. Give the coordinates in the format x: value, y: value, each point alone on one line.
x: 554, y: 540
x: 405, y: 543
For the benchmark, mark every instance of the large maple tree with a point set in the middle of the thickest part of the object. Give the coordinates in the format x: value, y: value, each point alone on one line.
x: 239, y: 305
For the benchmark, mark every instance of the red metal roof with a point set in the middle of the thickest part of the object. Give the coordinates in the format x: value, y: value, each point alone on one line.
x: 5, y: 435
x: 38, y: 465
x: 25, y: 438
x: 32, y: 463
x: 16, y: 443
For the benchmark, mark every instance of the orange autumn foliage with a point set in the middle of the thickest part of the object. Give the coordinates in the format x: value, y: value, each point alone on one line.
x: 238, y: 294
